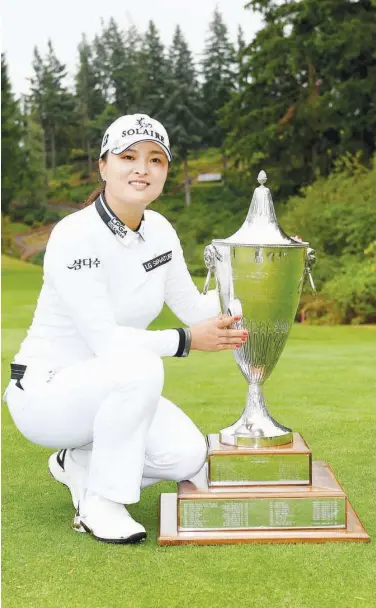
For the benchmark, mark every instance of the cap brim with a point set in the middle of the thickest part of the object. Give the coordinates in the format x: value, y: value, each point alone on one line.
x: 121, y: 149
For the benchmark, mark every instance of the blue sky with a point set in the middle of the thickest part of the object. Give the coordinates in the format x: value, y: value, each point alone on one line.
x: 29, y: 24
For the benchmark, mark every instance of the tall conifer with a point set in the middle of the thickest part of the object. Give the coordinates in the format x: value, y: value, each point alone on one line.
x: 182, y: 107
x: 309, y: 91
x: 153, y: 73
x: 11, y: 153
x: 219, y: 77
x: 54, y: 105
x: 89, y: 100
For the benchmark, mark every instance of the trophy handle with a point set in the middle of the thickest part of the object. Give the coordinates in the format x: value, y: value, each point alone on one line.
x: 209, y: 258
x: 310, y: 260
x: 207, y: 282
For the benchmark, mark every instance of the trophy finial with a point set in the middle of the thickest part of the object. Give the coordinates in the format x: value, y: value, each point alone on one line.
x: 261, y: 225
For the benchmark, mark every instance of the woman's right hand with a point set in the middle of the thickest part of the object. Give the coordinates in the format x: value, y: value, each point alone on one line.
x: 214, y: 334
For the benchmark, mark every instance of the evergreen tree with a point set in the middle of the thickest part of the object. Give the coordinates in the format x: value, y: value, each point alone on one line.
x: 117, y: 59
x: 133, y: 71
x: 240, y: 60
x: 102, y: 64
x: 182, y: 107
x: 153, y: 73
x: 102, y: 68
x: 29, y: 204
x: 33, y: 175
x: 89, y: 100
x: 54, y: 105
x: 219, y: 77
x: 10, y: 139
x: 125, y: 67
x: 309, y: 95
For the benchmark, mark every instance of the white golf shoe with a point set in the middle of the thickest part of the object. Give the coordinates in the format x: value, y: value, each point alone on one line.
x: 64, y: 469
x: 107, y: 521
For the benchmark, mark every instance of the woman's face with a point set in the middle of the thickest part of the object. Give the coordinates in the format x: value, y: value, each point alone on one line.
x: 144, y: 162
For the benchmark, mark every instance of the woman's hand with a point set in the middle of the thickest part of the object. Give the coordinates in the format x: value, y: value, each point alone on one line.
x: 214, y: 335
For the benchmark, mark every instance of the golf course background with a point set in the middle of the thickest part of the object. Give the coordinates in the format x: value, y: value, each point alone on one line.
x: 323, y: 387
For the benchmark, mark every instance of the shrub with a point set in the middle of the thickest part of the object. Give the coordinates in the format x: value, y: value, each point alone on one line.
x: 39, y: 214
x: 29, y: 219
x: 37, y: 258
x: 337, y: 216
x: 8, y: 246
x: 353, y: 293
x: 51, y: 216
x: 18, y: 209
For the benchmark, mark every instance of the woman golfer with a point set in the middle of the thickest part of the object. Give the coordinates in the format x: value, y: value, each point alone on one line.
x: 88, y: 377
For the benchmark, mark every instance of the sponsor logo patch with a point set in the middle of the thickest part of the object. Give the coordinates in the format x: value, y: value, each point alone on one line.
x: 159, y: 261
x: 117, y: 227
x: 78, y: 264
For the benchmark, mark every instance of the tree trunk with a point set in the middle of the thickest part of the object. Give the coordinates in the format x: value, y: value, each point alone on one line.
x: 89, y: 159
x: 87, y: 140
x: 315, y: 168
x: 187, y: 186
x: 224, y: 165
x: 44, y: 157
x: 53, y: 152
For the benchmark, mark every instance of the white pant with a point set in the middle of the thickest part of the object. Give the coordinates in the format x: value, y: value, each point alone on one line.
x: 138, y: 437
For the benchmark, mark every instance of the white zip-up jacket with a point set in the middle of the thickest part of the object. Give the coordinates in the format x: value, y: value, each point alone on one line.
x: 103, y: 284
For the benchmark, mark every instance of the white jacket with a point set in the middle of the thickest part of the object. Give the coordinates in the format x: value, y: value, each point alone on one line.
x: 103, y: 284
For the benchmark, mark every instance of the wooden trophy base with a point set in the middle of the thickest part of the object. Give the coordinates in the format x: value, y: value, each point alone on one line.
x: 194, y: 507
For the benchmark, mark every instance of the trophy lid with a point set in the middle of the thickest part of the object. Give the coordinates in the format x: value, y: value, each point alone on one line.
x: 261, y: 226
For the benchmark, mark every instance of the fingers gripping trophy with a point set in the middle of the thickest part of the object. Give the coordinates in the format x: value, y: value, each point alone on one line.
x: 259, y: 272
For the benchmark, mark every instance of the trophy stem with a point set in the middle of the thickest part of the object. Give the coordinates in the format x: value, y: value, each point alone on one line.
x: 256, y: 428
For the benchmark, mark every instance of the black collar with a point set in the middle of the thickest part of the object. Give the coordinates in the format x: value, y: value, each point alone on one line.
x: 113, y: 222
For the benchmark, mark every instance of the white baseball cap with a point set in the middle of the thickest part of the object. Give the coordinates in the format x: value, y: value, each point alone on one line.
x: 132, y: 128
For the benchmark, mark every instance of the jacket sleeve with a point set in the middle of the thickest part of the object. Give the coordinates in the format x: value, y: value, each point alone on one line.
x: 182, y: 295
x: 85, y: 296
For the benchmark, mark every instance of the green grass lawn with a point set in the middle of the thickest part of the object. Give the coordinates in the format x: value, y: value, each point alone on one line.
x: 323, y: 387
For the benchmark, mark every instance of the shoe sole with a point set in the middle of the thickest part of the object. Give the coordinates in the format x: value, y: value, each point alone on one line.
x: 60, y: 476
x: 130, y: 540
x: 78, y: 526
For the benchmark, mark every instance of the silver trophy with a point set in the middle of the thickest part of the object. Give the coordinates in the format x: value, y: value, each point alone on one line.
x: 259, y: 272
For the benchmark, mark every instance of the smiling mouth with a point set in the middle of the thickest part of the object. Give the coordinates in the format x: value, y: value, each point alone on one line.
x: 139, y: 183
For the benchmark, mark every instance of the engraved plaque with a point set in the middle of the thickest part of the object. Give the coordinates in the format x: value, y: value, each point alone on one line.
x: 245, y: 469
x: 277, y: 465
x: 262, y: 513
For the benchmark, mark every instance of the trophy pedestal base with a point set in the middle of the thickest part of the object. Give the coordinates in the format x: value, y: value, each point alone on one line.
x: 169, y: 534
x: 229, y: 515
x: 241, y: 466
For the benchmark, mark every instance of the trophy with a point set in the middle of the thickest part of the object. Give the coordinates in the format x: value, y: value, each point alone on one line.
x: 260, y: 483
x: 260, y: 273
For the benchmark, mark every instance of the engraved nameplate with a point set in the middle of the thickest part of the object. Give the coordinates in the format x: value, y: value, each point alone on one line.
x: 239, y: 466
x: 252, y: 468
x: 262, y: 513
